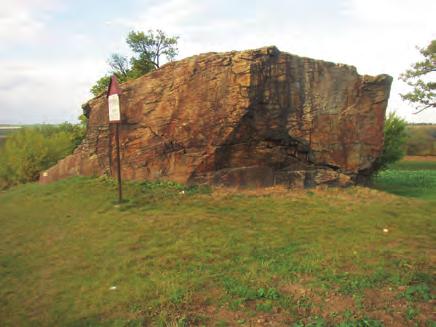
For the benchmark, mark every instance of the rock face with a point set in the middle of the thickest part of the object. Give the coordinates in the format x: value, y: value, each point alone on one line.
x: 256, y: 118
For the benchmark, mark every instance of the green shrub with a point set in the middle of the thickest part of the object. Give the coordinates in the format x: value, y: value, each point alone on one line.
x: 395, y: 138
x: 31, y: 150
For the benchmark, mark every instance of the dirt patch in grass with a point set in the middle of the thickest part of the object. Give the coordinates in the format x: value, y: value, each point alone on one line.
x: 201, y: 311
x: 384, y: 305
x: 352, y: 195
x: 308, y: 303
x: 231, y: 318
x: 220, y: 191
x: 420, y: 158
x: 337, y: 303
x: 388, y: 306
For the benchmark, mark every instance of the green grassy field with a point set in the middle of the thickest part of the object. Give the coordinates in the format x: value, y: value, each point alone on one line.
x: 175, y: 256
x: 414, y: 177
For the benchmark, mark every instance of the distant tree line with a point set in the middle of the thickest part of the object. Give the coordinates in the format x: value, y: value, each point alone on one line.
x: 421, y: 140
x: 148, y: 49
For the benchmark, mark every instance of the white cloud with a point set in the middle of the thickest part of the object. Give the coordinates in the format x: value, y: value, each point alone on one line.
x: 46, y: 72
x: 392, y: 29
x: 24, y: 20
x: 377, y: 36
x: 392, y: 12
x: 45, y: 91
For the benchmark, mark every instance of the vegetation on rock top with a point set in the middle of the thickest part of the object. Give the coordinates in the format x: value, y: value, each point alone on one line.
x: 148, y: 49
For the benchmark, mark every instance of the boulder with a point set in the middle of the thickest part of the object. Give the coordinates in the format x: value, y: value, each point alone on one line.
x: 252, y: 118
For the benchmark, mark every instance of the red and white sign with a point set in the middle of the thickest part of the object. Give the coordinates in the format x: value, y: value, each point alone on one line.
x: 114, y: 100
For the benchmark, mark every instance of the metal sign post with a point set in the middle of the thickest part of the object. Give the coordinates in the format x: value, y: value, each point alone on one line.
x: 115, y: 118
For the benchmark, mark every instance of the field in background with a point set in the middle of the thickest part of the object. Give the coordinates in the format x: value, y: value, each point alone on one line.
x: 421, y: 140
x: 176, y: 256
x: 6, y: 130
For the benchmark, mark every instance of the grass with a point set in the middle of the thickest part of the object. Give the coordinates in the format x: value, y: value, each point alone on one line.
x: 416, y: 163
x: 411, y: 177
x: 178, y: 256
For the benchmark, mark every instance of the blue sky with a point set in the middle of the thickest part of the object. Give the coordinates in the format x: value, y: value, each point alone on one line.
x: 52, y: 51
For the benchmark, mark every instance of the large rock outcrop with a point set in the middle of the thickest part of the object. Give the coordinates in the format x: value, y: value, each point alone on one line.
x: 258, y: 117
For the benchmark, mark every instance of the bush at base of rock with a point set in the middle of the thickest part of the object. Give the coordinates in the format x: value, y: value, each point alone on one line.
x: 395, y: 138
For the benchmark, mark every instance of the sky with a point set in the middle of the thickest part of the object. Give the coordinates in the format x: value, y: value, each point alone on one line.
x: 52, y: 51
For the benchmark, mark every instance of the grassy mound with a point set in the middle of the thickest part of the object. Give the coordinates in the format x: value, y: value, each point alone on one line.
x: 177, y: 256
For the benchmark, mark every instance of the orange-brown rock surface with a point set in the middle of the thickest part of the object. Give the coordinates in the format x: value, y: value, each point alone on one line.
x: 258, y: 117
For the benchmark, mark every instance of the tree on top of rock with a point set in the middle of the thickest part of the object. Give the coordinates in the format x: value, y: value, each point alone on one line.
x: 150, y: 47
x: 421, y: 76
x: 119, y: 64
x: 148, y: 51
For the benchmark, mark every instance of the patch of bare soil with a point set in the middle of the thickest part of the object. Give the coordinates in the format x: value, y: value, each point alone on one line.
x: 420, y: 158
x: 386, y: 305
x: 222, y: 191
x: 335, y: 194
x: 383, y: 304
x: 309, y: 303
x: 201, y: 312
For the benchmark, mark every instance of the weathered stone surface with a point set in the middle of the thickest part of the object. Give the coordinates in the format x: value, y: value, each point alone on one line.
x: 258, y: 117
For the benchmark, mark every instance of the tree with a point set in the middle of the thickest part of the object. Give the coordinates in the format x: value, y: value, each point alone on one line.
x: 395, y: 137
x: 101, y: 85
x: 148, y: 50
x: 150, y: 47
x: 119, y: 64
x: 421, y: 76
